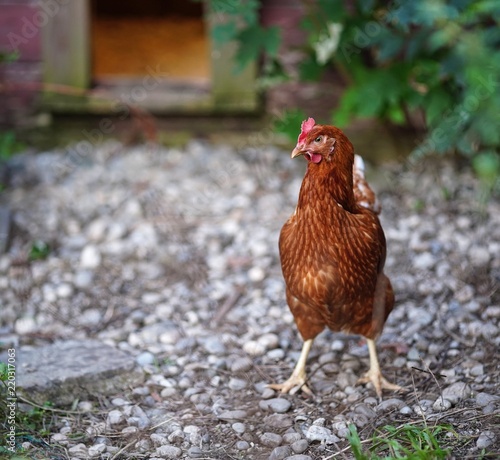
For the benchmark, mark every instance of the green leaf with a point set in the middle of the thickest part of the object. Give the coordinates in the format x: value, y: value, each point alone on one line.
x: 222, y: 33
x: 289, y: 123
x: 437, y: 102
x: 310, y: 69
x: 39, y: 250
x: 366, y: 6
x: 487, y: 166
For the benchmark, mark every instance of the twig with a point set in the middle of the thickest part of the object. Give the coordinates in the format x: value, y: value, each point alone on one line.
x: 51, y: 409
x: 441, y: 376
x: 227, y: 305
x: 125, y: 447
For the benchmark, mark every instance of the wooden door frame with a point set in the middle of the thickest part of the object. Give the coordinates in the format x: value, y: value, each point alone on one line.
x: 67, y: 74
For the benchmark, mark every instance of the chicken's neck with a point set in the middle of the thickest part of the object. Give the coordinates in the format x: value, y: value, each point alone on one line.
x: 324, y: 184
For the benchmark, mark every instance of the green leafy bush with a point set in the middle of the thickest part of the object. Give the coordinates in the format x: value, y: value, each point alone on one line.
x: 437, y: 61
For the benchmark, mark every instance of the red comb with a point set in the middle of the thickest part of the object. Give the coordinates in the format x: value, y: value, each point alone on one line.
x: 305, y: 127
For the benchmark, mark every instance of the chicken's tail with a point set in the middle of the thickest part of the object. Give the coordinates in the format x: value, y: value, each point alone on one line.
x: 363, y: 194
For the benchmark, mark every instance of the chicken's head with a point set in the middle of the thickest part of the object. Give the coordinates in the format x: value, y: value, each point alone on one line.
x: 319, y: 142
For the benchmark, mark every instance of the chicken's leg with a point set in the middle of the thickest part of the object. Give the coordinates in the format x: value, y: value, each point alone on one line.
x: 374, y: 375
x: 297, y: 380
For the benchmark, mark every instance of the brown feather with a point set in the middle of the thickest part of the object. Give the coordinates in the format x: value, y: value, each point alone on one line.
x: 333, y: 249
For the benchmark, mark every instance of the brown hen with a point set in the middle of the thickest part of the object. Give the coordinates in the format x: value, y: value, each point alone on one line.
x: 333, y: 251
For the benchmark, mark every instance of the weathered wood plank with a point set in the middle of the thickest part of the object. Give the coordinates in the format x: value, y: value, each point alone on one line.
x: 66, y: 46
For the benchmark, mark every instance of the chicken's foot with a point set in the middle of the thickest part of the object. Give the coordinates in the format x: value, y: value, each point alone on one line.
x: 374, y: 375
x: 297, y: 381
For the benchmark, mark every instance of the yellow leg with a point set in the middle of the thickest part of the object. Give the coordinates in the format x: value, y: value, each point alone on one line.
x: 374, y: 375
x: 297, y: 380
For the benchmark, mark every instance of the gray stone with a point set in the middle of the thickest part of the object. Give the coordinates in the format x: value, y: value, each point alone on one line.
x: 96, y: 450
x: 69, y: 370
x: 168, y: 451
x: 441, y: 404
x: 239, y: 427
x: 79, y: 451
x: 145, y: 358
x: 271, y: 439
x: 277, y: 405
x: 241, y: 364
x: 195, y: 452
x: 231, y: 415
x: 278, y: 421
x: 158, y: 439
x: 389, y: 404
x: 321, y: 434
x: 299, y: 457
x: 115, y: 417
x: 486, y: 439
x: 483, y: 399
x: 300, y: 446
x: 90, y: 257
x: 242, y: 445
x: 456, y: 391
x: 83, y: 279
x: 281, y: 452
x: 237, y: 384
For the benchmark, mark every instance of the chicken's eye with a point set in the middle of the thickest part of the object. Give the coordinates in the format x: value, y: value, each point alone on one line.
x: 318, y: 139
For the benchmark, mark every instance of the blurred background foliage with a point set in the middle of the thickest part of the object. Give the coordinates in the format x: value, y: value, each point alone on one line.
x: 431, y: 65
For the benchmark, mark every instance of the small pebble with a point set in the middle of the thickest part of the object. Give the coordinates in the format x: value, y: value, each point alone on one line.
x: 168, y: 451
x: 271, y: 439
x: 90, y: 257
x: 277, y: 405
x: 280, y: 453
x: 486, y: 439
x: 300, y: 446
x: 242, y: 445
x: 239, y: 427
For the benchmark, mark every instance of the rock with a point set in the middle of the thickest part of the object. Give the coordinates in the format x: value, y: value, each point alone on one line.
x: 441, y: 404
x: 168, y: 451
x: 25, y: 325
x: 271, y: 439
x: 83, y: 279
x: 281, y: 452
x: 59, y: 438
x: 254, y: 348
x: 256, y: 274
x: 278, y: 421
x: 79, y: 451
x: 486, y: 439
x: 238, y: 427
x: 389, y: 404
x: 115, y: 417
x: 456, y: 391
x: 195, y: 452
x: 158, y: 439
x: 321, y: 434
x: 96, y: 450
x: 73, y: 369
x: 64, y: 291
x: 231, y: 415
x: 290, y: 438
x: 237, y: 384
x: 483, y: 399
x: 424, y: 261
x: 241, y: 364
x: 145, y: 358
x: 242, y: 445
x: 300, y: 446
x: 90, y: 257
x: 299, y: 457
x: 277, y: 405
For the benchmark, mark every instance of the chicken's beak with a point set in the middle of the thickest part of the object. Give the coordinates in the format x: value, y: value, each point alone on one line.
x: 297, y: 151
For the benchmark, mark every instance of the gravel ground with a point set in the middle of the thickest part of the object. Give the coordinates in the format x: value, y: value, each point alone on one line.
x: 171, y: 255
